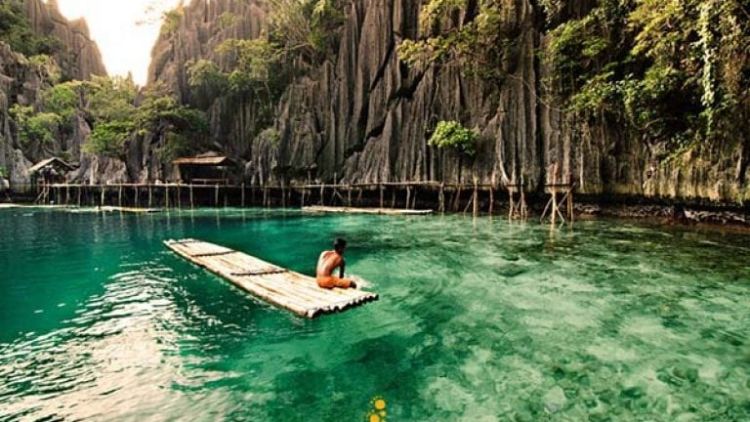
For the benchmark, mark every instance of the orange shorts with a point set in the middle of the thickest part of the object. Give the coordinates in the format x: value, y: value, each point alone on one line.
x: 333, y: 281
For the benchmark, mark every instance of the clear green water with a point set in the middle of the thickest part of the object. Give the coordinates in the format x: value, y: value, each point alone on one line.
x: 478, y: 320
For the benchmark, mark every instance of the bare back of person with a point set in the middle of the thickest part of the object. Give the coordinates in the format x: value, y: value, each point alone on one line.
x: 327, y: 264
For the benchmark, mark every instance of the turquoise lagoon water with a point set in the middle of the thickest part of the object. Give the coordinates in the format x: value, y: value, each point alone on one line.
x: 479, y: 320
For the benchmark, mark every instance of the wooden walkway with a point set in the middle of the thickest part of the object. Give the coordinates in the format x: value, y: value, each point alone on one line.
x: 353, y: 210
x: 278, y: 286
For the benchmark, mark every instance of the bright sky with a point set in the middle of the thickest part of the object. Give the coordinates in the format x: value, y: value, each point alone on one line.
x: 125, y: 30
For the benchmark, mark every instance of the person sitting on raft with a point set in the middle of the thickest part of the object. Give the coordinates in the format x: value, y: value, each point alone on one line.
x: 328, y: 262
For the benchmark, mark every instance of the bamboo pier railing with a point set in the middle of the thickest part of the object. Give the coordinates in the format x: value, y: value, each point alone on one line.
x: 407, y: 195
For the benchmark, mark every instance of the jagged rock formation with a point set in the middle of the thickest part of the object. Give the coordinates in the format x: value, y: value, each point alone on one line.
x: 203, y: 26
x: 78, y: 56
x: 15, y: 79
x: 22, y: 83
x: 365, y: 117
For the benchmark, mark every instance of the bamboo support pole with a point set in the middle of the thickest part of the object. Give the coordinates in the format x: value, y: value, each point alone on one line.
x: 150, y: 197
x: 136, y: 200
x: 491, y: 208
x: 475, y: 199
x: 101, y: 196
x: 79, y: 195
x: 348, y: 196
x: 192, y: 202
x: 216, y: 196
x: 335, y: 189
x: 67, y: 194
x: 408, y: 198
x: 441, y: 197
x: 243, y: 194
x: 554, y: 193
x: 571, y: 212
x: 380, y: 187
x: 119, y: 195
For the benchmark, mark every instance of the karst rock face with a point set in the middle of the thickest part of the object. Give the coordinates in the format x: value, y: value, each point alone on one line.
x: 78, y: 55
x: 364, y: 116
x: 21, y: 83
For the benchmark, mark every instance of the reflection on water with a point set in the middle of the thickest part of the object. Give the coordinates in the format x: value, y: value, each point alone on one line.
x: 478, y: 320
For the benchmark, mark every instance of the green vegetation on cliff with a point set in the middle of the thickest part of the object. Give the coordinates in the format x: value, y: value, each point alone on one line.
x: 16, y: 31
x: 675, y: 72
x: 116, y: 111
x: 454, y: 136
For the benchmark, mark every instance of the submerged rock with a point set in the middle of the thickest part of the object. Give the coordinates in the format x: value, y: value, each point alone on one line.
x: 555, y: 400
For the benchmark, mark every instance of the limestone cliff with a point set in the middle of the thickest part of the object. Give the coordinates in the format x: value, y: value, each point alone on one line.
x: 365, y: 117
x: 78, y: 55
x: 21, y: 82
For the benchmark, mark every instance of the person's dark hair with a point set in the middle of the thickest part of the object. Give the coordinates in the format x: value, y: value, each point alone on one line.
x: 339, y: 244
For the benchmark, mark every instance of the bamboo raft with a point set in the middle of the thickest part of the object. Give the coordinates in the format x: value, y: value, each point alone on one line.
x: 353, y: 210
x: 279, y: 286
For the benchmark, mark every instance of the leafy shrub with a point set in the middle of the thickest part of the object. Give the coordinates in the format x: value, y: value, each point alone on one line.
x: 453, y: 135
x: 35, y: 127
x: 206, y: 80
x: 171, y: 21
x: 109, y: 138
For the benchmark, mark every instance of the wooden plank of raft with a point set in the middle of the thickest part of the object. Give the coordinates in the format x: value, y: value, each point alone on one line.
x: 276, y: 285
x: 261, y: 272
x: 207, y: 254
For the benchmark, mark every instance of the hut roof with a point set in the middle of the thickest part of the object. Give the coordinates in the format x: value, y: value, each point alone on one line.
x: 54, y: 161
x: 204, y: 160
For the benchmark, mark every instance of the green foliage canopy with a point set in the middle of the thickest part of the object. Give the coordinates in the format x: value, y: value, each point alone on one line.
x: 476, y: 44
x: 306, y: 28
x: 171, y: 20
x: 454, y: 136
x: 35, y: 127
x: 676, y: 72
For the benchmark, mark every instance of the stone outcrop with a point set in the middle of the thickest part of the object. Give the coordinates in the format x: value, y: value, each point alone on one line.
x: 78, y: 55
x: 363, y: 116
x: 18, y: 82
x: 203, y: 26
x: 22, y: 82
